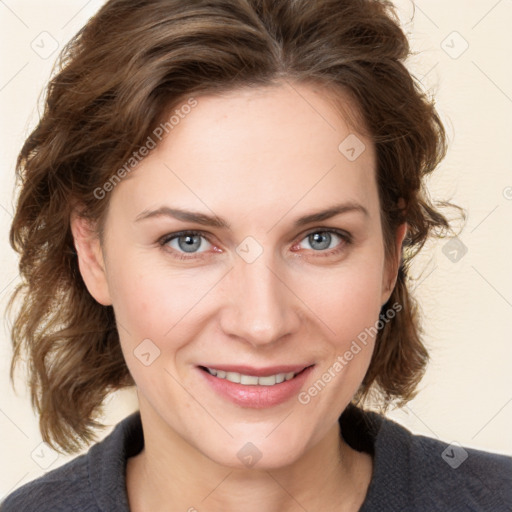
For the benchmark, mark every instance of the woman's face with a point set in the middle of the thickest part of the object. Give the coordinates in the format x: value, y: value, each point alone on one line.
x: 248, y: 242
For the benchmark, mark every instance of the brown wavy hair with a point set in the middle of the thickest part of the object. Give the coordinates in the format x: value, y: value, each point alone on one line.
x: 134, y: 61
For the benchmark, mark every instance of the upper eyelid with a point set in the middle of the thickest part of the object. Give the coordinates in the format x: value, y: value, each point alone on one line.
x: 172, y: 236
x: 337, y: 231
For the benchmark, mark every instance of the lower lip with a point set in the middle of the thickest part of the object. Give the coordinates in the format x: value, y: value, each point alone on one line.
x: 257, y: 397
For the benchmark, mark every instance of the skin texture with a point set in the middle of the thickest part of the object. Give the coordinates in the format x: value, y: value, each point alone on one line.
x: 260, y: 159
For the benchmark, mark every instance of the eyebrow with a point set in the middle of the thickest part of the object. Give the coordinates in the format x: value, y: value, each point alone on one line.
x: 218, y: 222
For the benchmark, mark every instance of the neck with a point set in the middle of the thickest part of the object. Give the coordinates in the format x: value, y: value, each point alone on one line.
x: 169, y: 472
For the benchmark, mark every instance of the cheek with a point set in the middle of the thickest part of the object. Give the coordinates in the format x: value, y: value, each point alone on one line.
x: 346, y: 300
x: 347, y: 305
x: 150, y: 300
x: 157, y: 314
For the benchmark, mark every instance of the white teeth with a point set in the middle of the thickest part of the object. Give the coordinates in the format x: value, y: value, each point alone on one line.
x: 233, y: 377
x: 248, y: 380
x: 267, y: 381
x: 251, y: 380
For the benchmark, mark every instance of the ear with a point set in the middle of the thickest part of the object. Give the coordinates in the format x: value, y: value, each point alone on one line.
x: 90, y: 258
x: 392, y: 266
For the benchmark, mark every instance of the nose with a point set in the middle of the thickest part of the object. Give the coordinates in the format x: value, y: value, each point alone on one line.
x: 260, y: 308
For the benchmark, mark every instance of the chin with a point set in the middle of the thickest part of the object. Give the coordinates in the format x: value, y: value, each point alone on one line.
x: 250, y: 457
x: 260, y: 449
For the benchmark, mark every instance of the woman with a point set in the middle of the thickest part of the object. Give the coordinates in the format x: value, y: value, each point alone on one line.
x: 219, y: 206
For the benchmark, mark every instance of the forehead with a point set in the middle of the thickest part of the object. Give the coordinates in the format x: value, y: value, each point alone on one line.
x: 274, y: 146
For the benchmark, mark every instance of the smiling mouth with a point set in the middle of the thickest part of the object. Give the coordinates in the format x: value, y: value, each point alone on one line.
x: 252, y: 380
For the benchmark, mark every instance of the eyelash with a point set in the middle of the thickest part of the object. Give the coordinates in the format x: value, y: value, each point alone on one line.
x: 346, y: 238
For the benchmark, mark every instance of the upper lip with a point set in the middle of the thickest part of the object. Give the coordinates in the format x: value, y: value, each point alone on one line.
x: 258, y: 372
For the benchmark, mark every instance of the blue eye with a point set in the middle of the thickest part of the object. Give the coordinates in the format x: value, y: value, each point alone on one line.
x: 323, y: 240
x: 187, y: 242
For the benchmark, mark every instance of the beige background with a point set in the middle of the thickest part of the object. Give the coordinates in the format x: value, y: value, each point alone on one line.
x: 466, y: 395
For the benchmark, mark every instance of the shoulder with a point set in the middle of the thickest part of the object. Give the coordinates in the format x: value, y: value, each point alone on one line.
x: 461, y: 474
x: 422, y: 473
x: 91, y: 482
x: 64, y: 488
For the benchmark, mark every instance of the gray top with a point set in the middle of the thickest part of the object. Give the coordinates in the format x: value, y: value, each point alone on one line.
x: 411, y: 473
